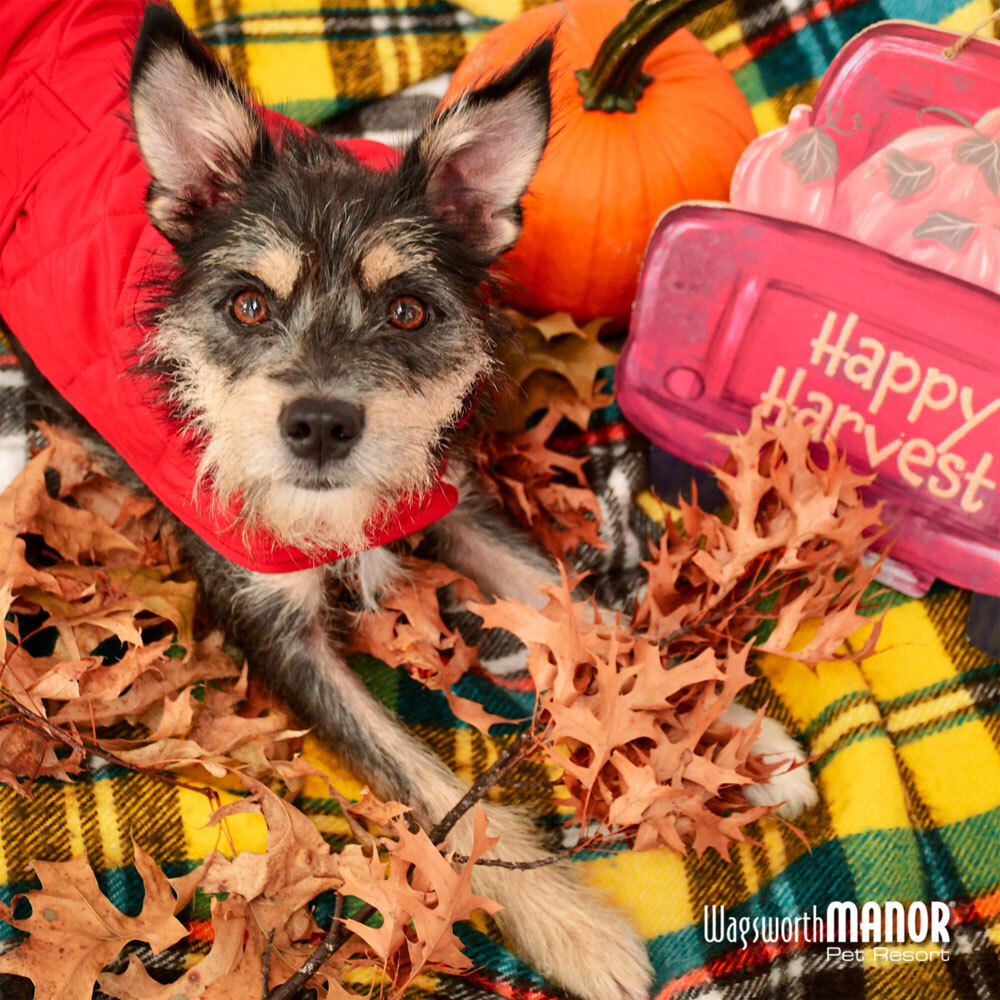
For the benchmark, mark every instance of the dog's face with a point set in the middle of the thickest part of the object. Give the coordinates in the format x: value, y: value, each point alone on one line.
x: 327, y: 321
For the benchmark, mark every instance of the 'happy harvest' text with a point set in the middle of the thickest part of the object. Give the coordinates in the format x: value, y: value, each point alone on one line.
x: 925, y: 464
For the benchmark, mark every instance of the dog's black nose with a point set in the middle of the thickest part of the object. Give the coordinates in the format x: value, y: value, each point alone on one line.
x: 321, y: 429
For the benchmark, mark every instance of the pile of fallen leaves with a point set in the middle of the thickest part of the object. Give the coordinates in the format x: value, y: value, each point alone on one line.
x: 544, y: 490
x: 107, y: 653
x: 629, y: 707
x: 790, y: 548
x: 100, y: 630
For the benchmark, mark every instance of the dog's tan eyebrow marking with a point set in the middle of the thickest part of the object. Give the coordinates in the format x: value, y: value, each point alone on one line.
x: 278, y: 266
x: 383, y: 261
x: 378, y: 265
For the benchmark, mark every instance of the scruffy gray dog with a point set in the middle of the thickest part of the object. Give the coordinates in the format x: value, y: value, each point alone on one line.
x: 324, y: 331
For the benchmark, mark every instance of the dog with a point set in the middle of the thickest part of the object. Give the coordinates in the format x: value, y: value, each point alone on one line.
x: 318, y: 339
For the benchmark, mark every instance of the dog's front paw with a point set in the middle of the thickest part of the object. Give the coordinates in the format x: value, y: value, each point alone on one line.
x: 563, y: 929
x: 791, y: 787
x: 572, y: 936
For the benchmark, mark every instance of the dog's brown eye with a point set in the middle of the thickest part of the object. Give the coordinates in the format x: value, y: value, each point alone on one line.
x: 249, y: 308
x: 407, y: 312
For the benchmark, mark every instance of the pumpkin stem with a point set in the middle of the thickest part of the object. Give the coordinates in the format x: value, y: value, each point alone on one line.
x: 615, y: 81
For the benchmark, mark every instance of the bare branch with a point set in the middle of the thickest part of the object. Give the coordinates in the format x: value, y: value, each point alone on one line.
x: 332, y: 940
x: 265, y: 965
x: 512, y: 754
x: 24, y: 716
x: 522, y: 866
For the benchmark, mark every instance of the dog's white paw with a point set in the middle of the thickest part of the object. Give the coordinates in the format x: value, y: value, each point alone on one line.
x: 562, y: 928
x: 790, y: 788
x: 568, y: 933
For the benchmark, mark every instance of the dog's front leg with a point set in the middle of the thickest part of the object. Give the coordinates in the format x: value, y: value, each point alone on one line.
x: 477, y: 539
x: 287, y: 628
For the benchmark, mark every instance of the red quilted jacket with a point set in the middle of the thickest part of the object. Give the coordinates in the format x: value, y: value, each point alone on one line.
x: 74, y: 244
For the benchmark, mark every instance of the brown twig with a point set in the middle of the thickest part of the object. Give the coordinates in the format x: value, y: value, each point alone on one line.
x: 332, y: 940
x: 265, y: 963
x: 512, y: 754
x: 523, y: 866
x: 22, y: 715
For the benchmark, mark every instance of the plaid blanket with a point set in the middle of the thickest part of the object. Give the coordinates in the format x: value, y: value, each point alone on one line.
x: 313, y: 59
x: 906, y: 741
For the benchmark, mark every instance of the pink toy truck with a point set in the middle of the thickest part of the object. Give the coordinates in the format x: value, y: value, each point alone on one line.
x: 854, y: 281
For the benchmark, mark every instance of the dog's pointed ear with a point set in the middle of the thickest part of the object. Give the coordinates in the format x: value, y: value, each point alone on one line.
x: 478, y: 156
x: 197, y: 132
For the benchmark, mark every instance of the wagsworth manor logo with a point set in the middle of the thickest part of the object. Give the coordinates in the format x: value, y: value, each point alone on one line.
x: 875, y: 925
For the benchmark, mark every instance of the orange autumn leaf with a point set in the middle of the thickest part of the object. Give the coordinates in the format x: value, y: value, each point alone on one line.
x: 26, y: 754
x: 279, y: 884
x: 420, y: 894
x: 232, y: 968
x: 542, y: 489
x: 552, y: 360
x: 408, y: 631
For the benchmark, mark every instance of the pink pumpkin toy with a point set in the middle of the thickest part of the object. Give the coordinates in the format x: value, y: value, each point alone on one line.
x: 789, y: 173
x: 931, y: 196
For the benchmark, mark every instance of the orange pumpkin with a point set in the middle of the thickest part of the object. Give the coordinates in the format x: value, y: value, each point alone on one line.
x: 662, y: 122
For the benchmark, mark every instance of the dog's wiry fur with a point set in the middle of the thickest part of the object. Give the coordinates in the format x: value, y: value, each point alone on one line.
x: 330, y: 245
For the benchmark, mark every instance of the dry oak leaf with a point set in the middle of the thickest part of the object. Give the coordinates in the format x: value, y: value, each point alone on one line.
x: 149, y: 588
x: 230, y: 971
x: 26, y: 754
x: 17, y: 675
x: 543, y: 489
x: 449, y: 891
x: 556, y: 344
x: 105, y: 613
x: 54, y: 677
x: 421, y: 895
x: 555, y: 325
x: 369, y: 817
x: 266, y: 890
x: 69, y: 456
x: 207, y: 661
x: 230, y: 746
x: 90, y: 678
x: 561, y: 357
x: 540, y: 391
x: 297, y: 866
x: 25, y: 506
x: 409, y: 631
x: 636, y: 735
x: 373, y: 810
x: 136, y: 517
x: 796, y: 534
x: 75, y: 930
